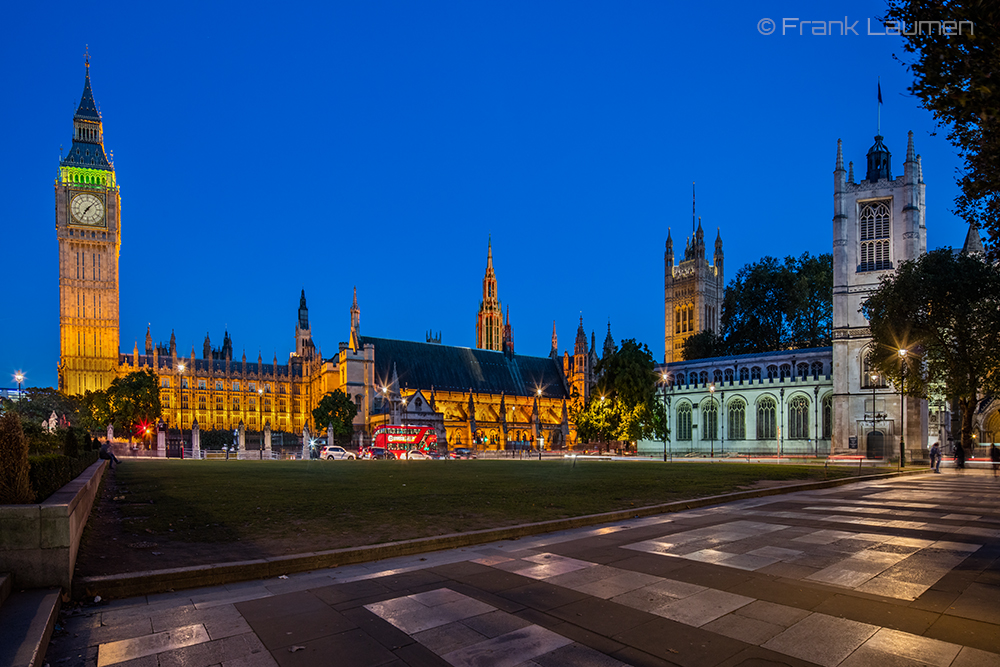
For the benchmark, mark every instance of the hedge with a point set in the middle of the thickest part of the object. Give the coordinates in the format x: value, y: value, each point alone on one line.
x: 51, y: 472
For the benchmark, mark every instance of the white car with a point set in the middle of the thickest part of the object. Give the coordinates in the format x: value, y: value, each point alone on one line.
x: 331, y: 452
x: 416, y: 454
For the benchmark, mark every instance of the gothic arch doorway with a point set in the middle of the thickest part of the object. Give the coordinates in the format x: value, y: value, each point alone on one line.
x: 875, y: 445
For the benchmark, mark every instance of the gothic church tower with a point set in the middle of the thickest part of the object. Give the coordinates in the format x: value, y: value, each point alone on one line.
x: 88, y: 229
x: 693, y: 290
x: 877, y: 223
x: 489, y: 321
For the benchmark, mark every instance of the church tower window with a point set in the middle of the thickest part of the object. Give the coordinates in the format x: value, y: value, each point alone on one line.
x: 874, y: 221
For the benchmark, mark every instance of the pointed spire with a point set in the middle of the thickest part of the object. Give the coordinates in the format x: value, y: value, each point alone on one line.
x: 555, y: 340
x: 355, y: 305
x: 850, y: 173
x: 718, y: 239
x: 693, y: 215
x: 973, y: 242
x: 910, y: 153
x: 840, y: 155
x: 88, y: 108
x: 609, y: 343
x: 149, y: 341
x: 581, y: 339
x: 489, y: 252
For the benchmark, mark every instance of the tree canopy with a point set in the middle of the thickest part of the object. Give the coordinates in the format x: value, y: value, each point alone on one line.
x: 954, y: 77
x: 337, y: 409
x: 622, y: 406
x: 771, y: 305
x: 128, y: 402
x: 944, y: 309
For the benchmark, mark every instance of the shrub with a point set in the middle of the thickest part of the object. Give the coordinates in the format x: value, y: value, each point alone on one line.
x: 51, y: 472
x: 15, y: 483
x: 71, y: 447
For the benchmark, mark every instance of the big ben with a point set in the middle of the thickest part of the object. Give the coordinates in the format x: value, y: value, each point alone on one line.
x: 88, y: 227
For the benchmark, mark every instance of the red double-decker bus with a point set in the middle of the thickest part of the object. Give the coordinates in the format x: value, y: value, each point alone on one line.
x: 401, y: 439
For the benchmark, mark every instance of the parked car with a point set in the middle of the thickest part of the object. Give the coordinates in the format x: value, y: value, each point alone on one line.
x: 462, y: 453
x: 336, y: 452
x: 377, y: 453
x: 417, y: 455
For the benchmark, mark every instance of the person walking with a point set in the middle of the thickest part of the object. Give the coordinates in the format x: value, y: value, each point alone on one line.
x: 995, y: 458
x: 959, y: 456
x: 936, y: 457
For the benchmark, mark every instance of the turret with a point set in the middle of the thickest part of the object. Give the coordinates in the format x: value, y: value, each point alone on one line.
x: 206, y: 348
x: 878, y: 162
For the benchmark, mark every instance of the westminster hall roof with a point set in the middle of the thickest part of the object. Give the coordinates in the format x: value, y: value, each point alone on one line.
x: 447, y: 368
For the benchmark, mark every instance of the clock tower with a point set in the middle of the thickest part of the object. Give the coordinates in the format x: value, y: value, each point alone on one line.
x: 88, y: 217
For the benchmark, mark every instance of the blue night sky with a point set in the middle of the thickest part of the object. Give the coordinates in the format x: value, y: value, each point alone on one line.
x: 262, y: 149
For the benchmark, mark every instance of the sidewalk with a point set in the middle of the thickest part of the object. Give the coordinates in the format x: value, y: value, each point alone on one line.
x: 896, y: 572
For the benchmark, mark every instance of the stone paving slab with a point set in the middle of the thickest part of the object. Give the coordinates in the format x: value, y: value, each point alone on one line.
x: 835, y: 577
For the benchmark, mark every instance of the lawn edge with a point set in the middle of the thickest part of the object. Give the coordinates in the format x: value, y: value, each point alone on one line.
x: 130, y: 584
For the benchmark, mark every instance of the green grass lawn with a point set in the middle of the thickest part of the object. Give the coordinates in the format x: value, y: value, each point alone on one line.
x: 331, y: 504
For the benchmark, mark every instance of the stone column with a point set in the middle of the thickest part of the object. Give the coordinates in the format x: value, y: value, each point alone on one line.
x: 267, y: 440
x: 111, y: 434
x: 329, y: 434
x: 161, y: 439
x: 195, y: 440
x: 241, y: 441
x: 305, y: 442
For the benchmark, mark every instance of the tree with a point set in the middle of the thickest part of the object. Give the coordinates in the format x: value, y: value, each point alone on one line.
x: 944, y: 309
x: 134, y: 399
x: 809, y: 300
x: 772, y: 306
x: 39, y: 403
x: 95, y: 410
x: 704, y: 345
x: 955, y: 79
x: 337, y: 409
x: 622, y: 406
x: 753, y: 308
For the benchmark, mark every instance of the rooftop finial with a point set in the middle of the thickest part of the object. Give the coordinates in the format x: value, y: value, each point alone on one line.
x: 86, y: 54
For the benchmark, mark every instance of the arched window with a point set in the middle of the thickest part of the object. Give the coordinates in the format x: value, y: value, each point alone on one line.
x: 737, y: 411
x: 786, y: 371
x: 729, y: 375
x: 710, y: 419
x: 755, y: 373
x: 717, y: 376
x: 218, y: 403
x: 772, y: 372
x: 201, y: 402
x: 867, y: 382
x: 703, y: 378
x: 798, y: 418
x: 745, y: 374
x: 817, y: 369
x: 684, y: 422
x: 802, y: 371
x: 766, y: 425
x: 874, y: 220
x: 236, y: 404
x: 828, y: 417
x: 679, y: 378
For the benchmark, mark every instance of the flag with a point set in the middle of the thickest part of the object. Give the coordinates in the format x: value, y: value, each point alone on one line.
x: 880, y: 92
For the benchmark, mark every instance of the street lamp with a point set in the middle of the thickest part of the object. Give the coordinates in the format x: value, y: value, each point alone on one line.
x: 902, y: 408
x: 874, y: 382
x: 715, y: 419
x: 260, y: 417
x: 539, y: 439
x: 19, y: 378
x: 663, y: 405
x: 180, y: 387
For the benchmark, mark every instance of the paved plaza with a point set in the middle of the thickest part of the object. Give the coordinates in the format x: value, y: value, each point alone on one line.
x: 898, y: 572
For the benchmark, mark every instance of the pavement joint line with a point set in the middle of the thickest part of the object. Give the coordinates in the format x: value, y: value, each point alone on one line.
x: 130, y: 584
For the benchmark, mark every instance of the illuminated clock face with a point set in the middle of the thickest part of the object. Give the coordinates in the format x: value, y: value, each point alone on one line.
x: 87, y: 209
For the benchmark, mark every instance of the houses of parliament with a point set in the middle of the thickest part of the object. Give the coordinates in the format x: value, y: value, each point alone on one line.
x: 489, y: 395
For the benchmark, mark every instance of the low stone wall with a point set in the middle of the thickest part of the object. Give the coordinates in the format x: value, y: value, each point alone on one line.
x: 39, y: 543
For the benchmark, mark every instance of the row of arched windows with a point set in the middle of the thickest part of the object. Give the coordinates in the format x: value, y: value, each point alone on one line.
x: 802, y: 371
x: 798, y: 420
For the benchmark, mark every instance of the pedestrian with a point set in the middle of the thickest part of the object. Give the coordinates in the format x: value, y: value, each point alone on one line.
x: 995, y: 458
x: 108, y: 455
x: 959, y: 456
x: 936, y: 457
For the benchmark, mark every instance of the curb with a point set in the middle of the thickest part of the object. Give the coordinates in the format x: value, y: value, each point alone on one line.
x: 148, y: 582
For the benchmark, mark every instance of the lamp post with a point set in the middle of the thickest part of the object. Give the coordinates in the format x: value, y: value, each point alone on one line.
x: 539, y: 439
x: 874, y: 381
x: 902, y: 408
x: 816, y: 417
x: 721, y: 419
x: 715, y: 419
x: 260, y: 417
x: 180, y: 387
x: 663, y: 405
x: 19, y: 377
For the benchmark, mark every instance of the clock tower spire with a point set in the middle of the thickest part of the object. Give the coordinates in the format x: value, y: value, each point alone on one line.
x: 88, y: 209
